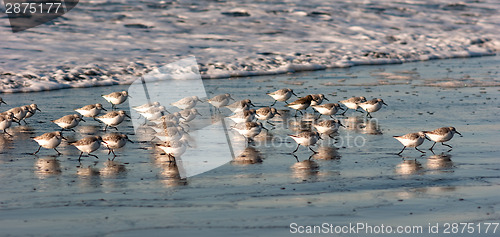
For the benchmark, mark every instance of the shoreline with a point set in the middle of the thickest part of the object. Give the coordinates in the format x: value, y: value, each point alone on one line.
x: 288, y: 69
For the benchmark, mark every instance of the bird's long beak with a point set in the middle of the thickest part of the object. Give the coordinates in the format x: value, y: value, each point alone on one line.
x: 198, y: 113
x: 38, y: 109
x: 63, y: 138
x: 293, y: 93
x: 385, y: 104
x: 126, y: 115
x: 231, y: 98
x: 251, y: 104
x: 326, y: 99
x: 200, y: 100
x: 104, y: 109
x: 458, y: 133
x: 341, y: 124
x: 83, y: 120
x: 130, y: 140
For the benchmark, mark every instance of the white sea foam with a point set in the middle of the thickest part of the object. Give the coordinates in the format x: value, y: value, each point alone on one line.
x: 105, y: 42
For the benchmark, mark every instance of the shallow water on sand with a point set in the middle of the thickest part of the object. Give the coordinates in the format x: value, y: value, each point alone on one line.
x: 357, y: 179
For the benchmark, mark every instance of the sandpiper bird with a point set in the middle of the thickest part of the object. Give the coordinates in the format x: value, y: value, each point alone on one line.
x: 241, y: 105
x: 174, y: 149
x: 318, y: 99
x: 441, y: 135
x: 266, y: 113
x: 90, y: 111
x: 1, y: 101
x: 166, y: 124
x: 243, y: 116
x: 146, y: 107
x: 281, y: 95
x: 328, y: 127
x: 301, y: 104
x: 327, y: 109
x: 175, y: 118
x: 170, y: 134
x: 113, y: 118
x: 189, y: 114
x: 411, y: 140
x: 248, y: 129
x: 19, y: 113
x: 32, y: 110
x: 49, y: 140
x: 306, y: 139
x: 116, y: 98
x: 154, y: 113
x: 220, y: 101
x: 114, y: 141
x: 353, y: 103
x: 371, y: 106
x: 6, y: 121
x: 187, y: 103
x: 68, y: 122
x: 88, y: 145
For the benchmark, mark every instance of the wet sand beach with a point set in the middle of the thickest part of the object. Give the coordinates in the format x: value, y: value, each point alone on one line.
x: 357, y: 179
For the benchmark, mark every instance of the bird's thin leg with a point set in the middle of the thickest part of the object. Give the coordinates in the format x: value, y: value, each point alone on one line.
x: 114, y: 155
x: 432, y: 146
x: 37, y: 150
x: 343, y: 113
x: 296, y: 148
x: 402, y: 150
x: 274, y: 102
x: 419, y: 150
x: 80, y: 156
x: 312, y: 150
x: 58, y: 153
x: 446, y: 145
x: 93, y: 156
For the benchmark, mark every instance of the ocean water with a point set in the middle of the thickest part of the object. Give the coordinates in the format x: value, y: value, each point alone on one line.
x: 107, y: 42
x: 356, y: 179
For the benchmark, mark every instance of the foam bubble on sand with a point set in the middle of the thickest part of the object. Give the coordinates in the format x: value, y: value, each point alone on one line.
x: 89, y: 47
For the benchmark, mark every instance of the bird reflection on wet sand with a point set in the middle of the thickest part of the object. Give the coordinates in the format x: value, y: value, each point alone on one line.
x: 354, y: 123
x: 305, y: 169
x: 409, y: 167
x: 112, y: 168
x: 372, y: 127
x: 47, y: 166
x: 248, y: 156
x: 169, y: 175
x: 326, y: 153
x: 441, y: 162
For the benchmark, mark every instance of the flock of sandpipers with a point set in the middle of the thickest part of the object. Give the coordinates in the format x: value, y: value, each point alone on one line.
x: 170, y: 130
x: 51, y: 140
